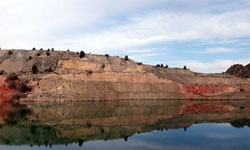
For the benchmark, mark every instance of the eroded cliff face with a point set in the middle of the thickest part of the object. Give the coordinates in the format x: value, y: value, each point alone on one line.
x: 98, y: 77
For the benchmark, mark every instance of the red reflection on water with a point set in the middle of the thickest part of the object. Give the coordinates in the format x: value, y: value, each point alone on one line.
x: 204, y: 108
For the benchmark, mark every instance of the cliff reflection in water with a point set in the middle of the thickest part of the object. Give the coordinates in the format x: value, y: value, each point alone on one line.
x: 65, y: 123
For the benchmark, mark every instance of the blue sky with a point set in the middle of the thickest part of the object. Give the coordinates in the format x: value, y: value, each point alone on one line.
x: 204, y: 35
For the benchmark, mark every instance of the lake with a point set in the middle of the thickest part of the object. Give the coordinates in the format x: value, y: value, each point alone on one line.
x: 132, y: 124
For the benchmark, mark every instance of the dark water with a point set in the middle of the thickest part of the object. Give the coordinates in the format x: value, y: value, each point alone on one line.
x: 138, y: 125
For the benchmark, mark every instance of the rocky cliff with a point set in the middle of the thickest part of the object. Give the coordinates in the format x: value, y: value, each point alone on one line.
x: 63, y: 76
x: 239, y: 70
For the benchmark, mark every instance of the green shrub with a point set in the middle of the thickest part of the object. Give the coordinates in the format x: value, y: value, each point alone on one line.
x: 80, y: 142
x: 89, y: 72
x: 48, y: 70
x: 10, y: 52
x: 185, y: 67
x: 12, y: 85
x: 24, y: 88
x: 34, y: 69
x: 82, y: 54
x: 88, y: 125
x: 242, y: 90
x: 33, y: 48
x: 126, y: 57
x: 12, y: 76
x: 125, y: 138
x: 2, y: 72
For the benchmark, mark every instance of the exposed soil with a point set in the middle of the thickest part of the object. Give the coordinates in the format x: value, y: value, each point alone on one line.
x: 64, y: 76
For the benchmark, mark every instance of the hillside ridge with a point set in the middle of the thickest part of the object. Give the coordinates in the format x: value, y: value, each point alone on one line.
x: 64, y: 76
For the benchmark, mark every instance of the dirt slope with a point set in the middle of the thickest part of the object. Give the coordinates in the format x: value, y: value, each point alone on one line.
x: 63, y: 76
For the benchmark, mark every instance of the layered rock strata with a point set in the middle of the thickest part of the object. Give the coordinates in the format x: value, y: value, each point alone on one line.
x: 63, y: 76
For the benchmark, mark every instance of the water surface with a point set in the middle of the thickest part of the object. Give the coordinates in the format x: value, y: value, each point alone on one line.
x: 145, y: 125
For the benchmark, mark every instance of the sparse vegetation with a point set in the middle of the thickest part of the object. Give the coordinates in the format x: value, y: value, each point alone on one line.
x: 34, y: 69
x: 166, y: 66
x: 30, y: 57
x: 125, y: 138
x: 2, y: 72
x: 89, y: 72
x: 161, y: 65
x: 67, y: 50
x: 48, y: 70
x: 88, y: 125
x: 126, y: 57
x: 102, y: 130
x: 33, y: 48
x: 47, y: 53
x: 139, y: 63
x: 41, y: 49
x: 82, y: 54
x: 107, y: 55
x: 10, y: 52
x: 52, y: 49
x: 242, y: 90
x: 24, y: 88
x: 12, y: 76
x: 80, y: 142
x: 103, y: 66
x: 38, y: 54
x: 158, y: 65
x: 185, y: 67
x: 12, y: 85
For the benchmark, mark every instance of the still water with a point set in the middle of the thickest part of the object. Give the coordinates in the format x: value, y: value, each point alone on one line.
x: 138, y: 125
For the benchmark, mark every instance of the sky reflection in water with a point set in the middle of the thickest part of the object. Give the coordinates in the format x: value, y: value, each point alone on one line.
x: 134, y: 125
x: 208, y: 136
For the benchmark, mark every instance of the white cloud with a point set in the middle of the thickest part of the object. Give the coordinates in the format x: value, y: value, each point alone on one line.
x: 219, y: 50
x: 27, y: 23
x: 139, y: 51
x: 162, y: 26
x: 142, y: 57
x: 221, y: 135
x: 216, y: 66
